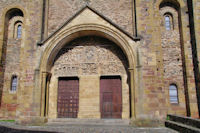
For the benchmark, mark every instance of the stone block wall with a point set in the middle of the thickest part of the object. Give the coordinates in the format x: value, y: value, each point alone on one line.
x: 18, y: 57
x: 172, y: 59
x: 196, y: 7
x: 154, y: 56
x: 119, y: 12
x: 159, y: 63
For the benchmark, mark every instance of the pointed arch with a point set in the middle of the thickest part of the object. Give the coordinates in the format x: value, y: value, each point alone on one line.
x: 53, y: 46
x: 83, y: 30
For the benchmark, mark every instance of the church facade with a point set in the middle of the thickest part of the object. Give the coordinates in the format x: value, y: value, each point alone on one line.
x: 98, y: 59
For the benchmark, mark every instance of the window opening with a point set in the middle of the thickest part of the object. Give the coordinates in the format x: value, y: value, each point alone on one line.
x: 14, y: 84
x: 167, y: 23
x: 173, y: 93
x: 19, y: 31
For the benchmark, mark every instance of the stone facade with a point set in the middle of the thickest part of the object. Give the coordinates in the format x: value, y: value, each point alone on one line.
x: 93, y: 38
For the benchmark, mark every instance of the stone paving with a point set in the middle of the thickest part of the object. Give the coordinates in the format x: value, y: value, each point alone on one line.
x: 13, y: 128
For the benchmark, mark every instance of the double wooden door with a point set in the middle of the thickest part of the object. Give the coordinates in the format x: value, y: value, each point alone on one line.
x: 68, y: 97
x: 111, y: 97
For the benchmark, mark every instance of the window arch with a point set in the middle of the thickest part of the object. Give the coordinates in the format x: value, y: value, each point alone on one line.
x: 18, y: 27
x: 14, y: 82
x: 173, y: 94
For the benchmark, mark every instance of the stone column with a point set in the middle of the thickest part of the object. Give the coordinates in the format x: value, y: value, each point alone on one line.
x: 43, y: 87
x: 132, y: 93
x: 47, y: 94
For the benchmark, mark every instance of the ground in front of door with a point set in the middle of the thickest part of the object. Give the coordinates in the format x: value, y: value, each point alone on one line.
x: 13, y: 128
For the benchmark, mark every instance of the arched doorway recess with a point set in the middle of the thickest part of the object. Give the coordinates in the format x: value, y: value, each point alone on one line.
x: 56, y: 43
x: 100, y: 87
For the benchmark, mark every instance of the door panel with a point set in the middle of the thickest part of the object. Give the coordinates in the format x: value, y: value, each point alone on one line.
x: 111, y: 97
x: 68, y: 97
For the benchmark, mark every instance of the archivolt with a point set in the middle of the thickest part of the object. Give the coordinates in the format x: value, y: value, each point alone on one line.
x: 57, y: 42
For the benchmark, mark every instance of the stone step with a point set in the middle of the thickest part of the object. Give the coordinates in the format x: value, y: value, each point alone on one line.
x: 181, y: 127
x: 15, y: 128
x: 71, y: 121
x: 185, y: 120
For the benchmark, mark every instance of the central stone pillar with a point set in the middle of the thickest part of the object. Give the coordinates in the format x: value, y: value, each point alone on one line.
x: 89, y: 97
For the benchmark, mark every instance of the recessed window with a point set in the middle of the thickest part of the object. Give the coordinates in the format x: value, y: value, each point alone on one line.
x: 173, y: 93
x: 167, y: 22
x: 13, y: 84
x: 19, y: 31
x: 18, y: 27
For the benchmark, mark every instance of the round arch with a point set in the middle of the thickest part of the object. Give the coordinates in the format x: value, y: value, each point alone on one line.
x: 5, y: 16
x: 10, y: 8
x: 178, y: 3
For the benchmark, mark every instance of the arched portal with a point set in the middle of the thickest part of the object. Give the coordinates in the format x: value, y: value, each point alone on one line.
x: 89, y: 80
x: 54, y: 44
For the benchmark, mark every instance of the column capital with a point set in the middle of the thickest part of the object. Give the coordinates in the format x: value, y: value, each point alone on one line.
x: 45, y: 72
x: 130, y: 69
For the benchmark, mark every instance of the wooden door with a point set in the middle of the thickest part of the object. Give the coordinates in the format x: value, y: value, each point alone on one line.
x: 68, y: 97
x: 111, y: 97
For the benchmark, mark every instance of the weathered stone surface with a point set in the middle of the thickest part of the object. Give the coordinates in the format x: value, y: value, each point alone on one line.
x: 172, y: 59
x: 62, y: 10
x: 160, y: 58
x: 90, y: 56
x: 6, y: 127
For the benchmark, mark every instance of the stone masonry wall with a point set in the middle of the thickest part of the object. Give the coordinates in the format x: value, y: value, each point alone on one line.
x: 172, y: 60
x: 196, y: 7
x: 152, y: 97
x: 12, y: 67
x: 159, y: 56
x: 20, y: 58
x: 119, y: 12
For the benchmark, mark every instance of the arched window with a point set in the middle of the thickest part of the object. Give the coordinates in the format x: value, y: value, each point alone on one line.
x: 173, y: 93
x: 17, y: 28
x: 167, y: 22
x: 13, y: 83
x: 19, y: 31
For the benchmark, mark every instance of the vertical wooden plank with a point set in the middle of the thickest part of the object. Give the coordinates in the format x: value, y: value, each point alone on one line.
x: 111, y: 97
x: 68, y: 97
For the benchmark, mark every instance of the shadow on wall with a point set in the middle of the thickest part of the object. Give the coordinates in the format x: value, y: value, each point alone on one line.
x: 10, y: 130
